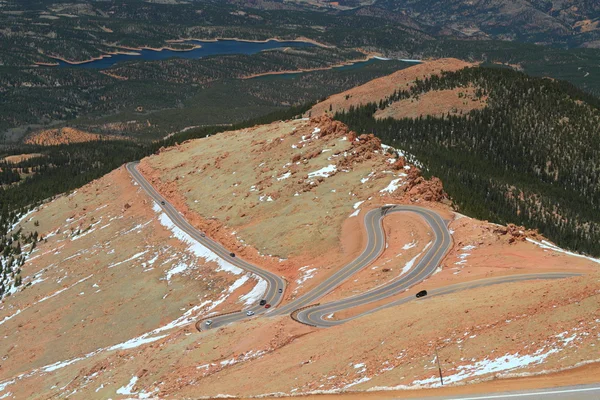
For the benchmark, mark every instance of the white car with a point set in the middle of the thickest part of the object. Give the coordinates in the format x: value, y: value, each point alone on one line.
x: 208, y: 322
x: 249, y: 313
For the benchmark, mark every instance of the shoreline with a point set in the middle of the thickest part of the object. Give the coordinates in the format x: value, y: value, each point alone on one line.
x: 100, y: 57
x: 301, y: 71
x: 300, y: 39
x: 132, y: 50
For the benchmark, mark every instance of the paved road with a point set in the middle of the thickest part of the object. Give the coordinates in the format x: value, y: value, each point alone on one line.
x: 275, y: 283
x: 426, y: 266
x: 317, y: 315
x: 579, y: 392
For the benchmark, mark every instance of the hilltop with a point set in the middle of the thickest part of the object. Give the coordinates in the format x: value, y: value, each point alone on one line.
x: 509, y: 147
x: 289, y: 197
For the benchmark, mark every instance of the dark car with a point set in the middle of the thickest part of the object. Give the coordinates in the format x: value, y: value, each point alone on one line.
x: 203, y: 234
x: 422, y: 293
x: 232, y: 254
x: 267, y: 306
x: 263, y: 302
x: 162, y: 202
x: 280, y: 290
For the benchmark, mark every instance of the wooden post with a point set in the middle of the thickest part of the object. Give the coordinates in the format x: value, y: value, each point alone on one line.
x: 439, y: 366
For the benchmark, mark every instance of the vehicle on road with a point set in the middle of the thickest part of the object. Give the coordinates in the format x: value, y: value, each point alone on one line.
x: 232, y: 254
x: 203, y: 234
x: 263, y: 302
x: 162, y: 202
x: 422, y: 293
x: 280, y: 290
x: 267, y: 306
x: 208, y: 322
x: 249, y: 313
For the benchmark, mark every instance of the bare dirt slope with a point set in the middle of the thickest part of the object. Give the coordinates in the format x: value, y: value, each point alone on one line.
x: 110, y: 273
x: 115, y: 288
x: 280, y: 193
x: 385, y: 86
x: 481, y: 334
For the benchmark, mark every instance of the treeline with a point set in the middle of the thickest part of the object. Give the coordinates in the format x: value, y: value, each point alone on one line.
x: 531, y: 157
x: 67, y: 167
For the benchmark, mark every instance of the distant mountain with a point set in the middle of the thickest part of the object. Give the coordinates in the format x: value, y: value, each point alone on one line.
x: 572, y: 23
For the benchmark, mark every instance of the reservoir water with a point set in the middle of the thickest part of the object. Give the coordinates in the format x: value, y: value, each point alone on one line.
x: 219, y: 47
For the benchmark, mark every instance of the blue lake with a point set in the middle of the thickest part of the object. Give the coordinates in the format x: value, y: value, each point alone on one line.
x: 208, y: 49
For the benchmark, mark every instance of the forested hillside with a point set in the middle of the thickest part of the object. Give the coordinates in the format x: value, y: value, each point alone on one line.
x: 531, y: 157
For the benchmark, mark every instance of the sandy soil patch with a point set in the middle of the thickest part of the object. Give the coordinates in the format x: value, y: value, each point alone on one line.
x: 383, y: 87
x: 52, y: 137
x: 437, y: 103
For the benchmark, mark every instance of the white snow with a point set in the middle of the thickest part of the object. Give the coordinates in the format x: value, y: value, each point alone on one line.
x: 177, y: 269
x: 356, y: 382
x: 137, y: 255
x: 324, y: 172
x: 408, y: 266
x: 60, y: 364
x: 306, y: 275
x: 391, y: 188
x: 196, y: 248
x: 365, y: 179
x: 21, y: 219
x: 284, y: 176
x: 199, y: 250
x: 62, y: 290
x: 355, y: 213
x: 409, y: 245
x: 506, y: 362
x: 357, y: 204
x: 135, y: 342
x: 549, y: 246
x: 128, y: 389
x: 256, y: 293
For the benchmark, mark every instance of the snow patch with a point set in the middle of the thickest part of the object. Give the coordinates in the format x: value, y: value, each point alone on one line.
x: 503, y: 363
x: 549, y: 246
x: 325, y: 172
x: 391, y: 188
x: 128, y: 389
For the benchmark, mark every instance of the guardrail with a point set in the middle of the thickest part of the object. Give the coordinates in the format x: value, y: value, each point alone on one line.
x: 200, y: 321
x: 296, y: 311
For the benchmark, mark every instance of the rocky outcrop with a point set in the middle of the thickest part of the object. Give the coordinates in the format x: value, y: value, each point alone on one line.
x: 515, y: 233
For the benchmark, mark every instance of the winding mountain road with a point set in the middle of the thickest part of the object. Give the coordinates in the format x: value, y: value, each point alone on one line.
x: 426, y: 266
x: 275, y: 284
x: 316, y: 315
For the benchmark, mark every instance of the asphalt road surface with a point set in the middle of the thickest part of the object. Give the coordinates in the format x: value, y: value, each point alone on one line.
x: 316, y: 315
x: 275, y: 283
x: 579, y: 392
x: 426, y: 266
